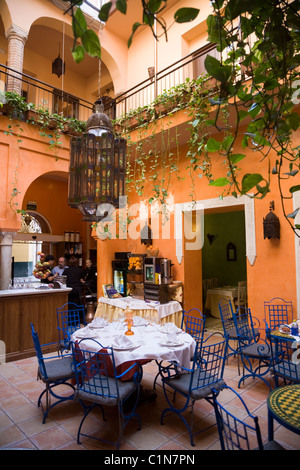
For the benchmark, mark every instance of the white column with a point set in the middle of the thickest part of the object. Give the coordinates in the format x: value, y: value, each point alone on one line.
x: 6, y: 241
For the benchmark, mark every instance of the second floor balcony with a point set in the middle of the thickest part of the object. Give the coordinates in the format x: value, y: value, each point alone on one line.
x: 44, y: 100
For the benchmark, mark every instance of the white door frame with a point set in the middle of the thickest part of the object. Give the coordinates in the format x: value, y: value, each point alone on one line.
x: 216, y: 203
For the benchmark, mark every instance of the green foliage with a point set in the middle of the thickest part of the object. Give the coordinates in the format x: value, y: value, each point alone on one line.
x: 152, y: 10
x: 257, y: 79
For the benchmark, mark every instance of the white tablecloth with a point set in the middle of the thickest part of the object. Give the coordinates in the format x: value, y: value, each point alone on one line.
x: 162, y: 310
x: 149, y: 342
x: 214, y: 296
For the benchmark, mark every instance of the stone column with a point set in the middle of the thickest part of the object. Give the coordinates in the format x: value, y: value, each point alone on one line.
x: 16, y: 40
x: 6, y: 241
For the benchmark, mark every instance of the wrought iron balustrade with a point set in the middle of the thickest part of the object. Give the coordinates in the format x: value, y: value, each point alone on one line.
x: 56, y: 101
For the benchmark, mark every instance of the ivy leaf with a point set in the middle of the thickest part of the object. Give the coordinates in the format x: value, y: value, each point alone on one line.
x: 104, y: 12
x: 293, y: 189
x: 293, y: 121
x: 213, y: 145
x: 91, y: 44
x: 122, y: 6
x: 292, y: 215
x: 219, y: 182
x: 184, y: 15
x: 249, y: 181
x: 154, y: 5
x: 79, y: 25
x: 134, y: 28
x: 214, y: 68
x: 78, y: 54
x: 236, y: 157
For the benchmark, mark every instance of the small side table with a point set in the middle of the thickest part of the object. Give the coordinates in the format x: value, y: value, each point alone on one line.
x: 284, y: 406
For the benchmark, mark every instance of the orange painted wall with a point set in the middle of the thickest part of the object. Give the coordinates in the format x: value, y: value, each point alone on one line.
x: 28, y: 163
x: 273, y: 272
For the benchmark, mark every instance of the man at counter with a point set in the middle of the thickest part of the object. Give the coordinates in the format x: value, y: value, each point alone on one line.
x: 59, y: 269
x: 50, y: 259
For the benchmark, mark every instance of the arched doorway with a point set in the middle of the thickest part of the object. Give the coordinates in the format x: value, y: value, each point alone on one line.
x: 25, y: 250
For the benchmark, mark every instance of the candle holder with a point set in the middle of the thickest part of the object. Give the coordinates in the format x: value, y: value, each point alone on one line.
x: 129, y: 321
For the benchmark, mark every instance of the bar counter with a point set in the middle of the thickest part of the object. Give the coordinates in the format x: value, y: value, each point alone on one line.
x: 21, y: 307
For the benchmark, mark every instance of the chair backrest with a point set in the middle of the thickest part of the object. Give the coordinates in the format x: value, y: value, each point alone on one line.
x: 208, y: 365
x: 237, y: 433
x: 286, y: 357
x: 242, y: 293
x: 225, y: 308
x: 38, y: 351
x: 193, y: 322
x: 278, y: 312
x: 95, y: 372
x: 69, y: 317
x: 243, y: 324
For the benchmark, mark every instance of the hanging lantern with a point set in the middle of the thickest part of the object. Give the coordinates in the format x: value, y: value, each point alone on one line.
x: 97, y: 167
x: 271, y: 224
x: 58, y: 66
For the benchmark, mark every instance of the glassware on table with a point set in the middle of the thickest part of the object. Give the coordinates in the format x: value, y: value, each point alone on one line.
x: 121, y: 317
x: 129, y: 321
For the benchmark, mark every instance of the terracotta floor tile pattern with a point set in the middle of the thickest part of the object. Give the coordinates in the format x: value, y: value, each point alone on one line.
x: 21, y: 420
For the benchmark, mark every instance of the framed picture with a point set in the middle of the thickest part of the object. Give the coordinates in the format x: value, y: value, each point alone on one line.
x: 231, y: 252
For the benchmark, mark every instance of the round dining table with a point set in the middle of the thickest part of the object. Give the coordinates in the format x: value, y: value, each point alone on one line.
x: 284, y: 406
x: 165, y: 342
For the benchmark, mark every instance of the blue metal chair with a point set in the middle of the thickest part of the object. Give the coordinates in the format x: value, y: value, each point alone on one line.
x: 98, y: 384
x: 286, y: 358
x: 193, y: 323
x: 69, y: 319
x: 196, y: 383
x: 254, y: 352
x: 278, y: 312
x: 194, y: 326
x: 236, y: 433
x: 225, y: 308
x: 53, y: 371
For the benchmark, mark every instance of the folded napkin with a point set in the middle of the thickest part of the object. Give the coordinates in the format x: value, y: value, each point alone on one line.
x: 98, y: 322
x: 169, y: 328
x: 139, y: 321
x: 122, y: 342
x: 172, y: 338
x: 85, y: 332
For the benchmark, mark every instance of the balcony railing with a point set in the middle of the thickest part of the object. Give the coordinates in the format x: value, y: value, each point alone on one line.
x: 143, y: 94
x: 43, y: 95
x: 56, y: 101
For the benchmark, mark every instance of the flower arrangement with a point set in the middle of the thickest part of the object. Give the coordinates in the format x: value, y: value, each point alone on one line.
x: 42, y: 270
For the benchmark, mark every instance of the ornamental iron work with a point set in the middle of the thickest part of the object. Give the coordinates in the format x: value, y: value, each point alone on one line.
x: 97, y: 167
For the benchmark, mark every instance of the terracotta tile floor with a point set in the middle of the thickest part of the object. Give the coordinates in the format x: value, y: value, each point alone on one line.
x: 21, y: 420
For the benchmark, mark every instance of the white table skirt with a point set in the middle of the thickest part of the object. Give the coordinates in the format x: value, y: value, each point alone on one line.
x: 214, y: 296
x: 148, y: 341
x: 161, y: 310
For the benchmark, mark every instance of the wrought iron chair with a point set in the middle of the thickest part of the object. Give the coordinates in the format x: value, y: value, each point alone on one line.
x: 195, y: 383
x: 255, y: 353
x: 278, y: 312
x: 225, y: 308
x: 53, y: 371
x: 69, y: 319
x: 98, y: 384
x: 286, y: 357
x: 194, y: 324
x: 236, y: 433
x: 242, y: 299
